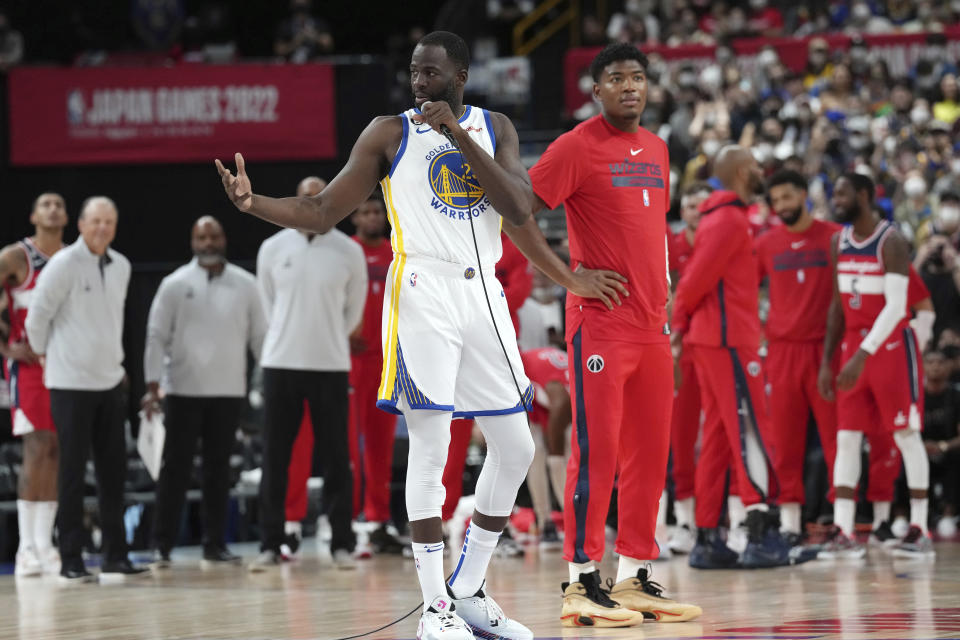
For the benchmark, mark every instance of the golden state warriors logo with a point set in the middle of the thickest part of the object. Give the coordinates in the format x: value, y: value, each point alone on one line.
x: 453, y: 182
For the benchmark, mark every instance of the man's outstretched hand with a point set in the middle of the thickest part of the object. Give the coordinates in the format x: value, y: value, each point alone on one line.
x: 237, y: 187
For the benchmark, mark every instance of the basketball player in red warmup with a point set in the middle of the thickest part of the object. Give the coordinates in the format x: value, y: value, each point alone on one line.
x: 20, y: 265
x: 685, y: 424
x: 715, y: 317
x: 881, y: 382
x: 795, y: 256
x: 371, y: 467
x: 612, y: 176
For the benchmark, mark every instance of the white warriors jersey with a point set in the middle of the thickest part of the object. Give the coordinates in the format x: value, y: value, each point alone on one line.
x: 431, y: 193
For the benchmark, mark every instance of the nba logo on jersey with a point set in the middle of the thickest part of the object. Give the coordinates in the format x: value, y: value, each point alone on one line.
x: 646, y: 198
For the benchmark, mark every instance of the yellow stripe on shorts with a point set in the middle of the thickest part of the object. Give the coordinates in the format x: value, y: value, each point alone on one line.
x: 389, y: 375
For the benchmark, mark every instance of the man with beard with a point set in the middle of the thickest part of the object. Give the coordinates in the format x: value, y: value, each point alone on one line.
x: 796, y: 258
x: 449, y: 171
x: 715, y: 317
x: 204, y: 318
x: 20, y: 266
x: 880, y: 384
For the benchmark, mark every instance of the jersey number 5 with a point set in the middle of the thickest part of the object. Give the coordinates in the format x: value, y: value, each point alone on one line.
x: 855, y: 300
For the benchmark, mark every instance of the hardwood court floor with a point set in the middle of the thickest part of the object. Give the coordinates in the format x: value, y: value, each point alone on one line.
x: 870, y: 600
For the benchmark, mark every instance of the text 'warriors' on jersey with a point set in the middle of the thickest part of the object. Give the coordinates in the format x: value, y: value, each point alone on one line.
x: 432, y: 193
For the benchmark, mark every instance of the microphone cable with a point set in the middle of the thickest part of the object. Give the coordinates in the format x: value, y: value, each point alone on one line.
x: 449, y: 135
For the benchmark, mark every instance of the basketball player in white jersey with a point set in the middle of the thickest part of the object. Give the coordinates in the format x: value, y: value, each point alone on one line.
x: 20, y: 265
x: 448, y: 171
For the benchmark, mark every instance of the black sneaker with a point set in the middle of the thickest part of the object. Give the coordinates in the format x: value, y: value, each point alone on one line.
x: 550, y: 538
x: 218, y: 557
x: 507, y: 546
x: 160, y: 559
x: 290, y: 545
x: 799, y: 551
x: 74, y: 571
x: 765, y: 546
x: 712, y: 552
x: 118, y: 570
x: 883, y: 536
x: 383, y: 542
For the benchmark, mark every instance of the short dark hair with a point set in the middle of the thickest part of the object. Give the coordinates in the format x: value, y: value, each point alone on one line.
x: 787, y: 176
x: 860, y: 183
x: 949, y: 196
x: 455, y: 46
x: 615, y: 53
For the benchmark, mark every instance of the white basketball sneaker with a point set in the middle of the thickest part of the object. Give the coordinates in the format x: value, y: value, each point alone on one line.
x: 439, y: 622
x: 486, y: 619
x: 28, y: 563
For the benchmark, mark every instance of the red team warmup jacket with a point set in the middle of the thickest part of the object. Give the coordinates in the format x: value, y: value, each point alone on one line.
x: 727, y: 314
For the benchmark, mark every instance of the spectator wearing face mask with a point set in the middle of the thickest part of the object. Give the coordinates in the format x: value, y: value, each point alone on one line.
x: 863, y: 20
x: 915, y: 209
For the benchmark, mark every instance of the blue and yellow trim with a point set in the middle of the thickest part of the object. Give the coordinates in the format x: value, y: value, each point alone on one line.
x: 527, y: 405
x: 406, y: 387
x: 390, y: 347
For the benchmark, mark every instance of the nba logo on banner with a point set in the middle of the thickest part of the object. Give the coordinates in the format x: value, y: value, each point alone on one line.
x: 646, y: 198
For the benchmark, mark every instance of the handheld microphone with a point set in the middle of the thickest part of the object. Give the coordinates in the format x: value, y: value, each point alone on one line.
x: 445, y: 130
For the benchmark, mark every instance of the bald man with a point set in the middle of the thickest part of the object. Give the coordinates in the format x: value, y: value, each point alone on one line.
x: 313, y: 287
x: 75, y: 324
x: 205, y: 318
x: 715, y: 317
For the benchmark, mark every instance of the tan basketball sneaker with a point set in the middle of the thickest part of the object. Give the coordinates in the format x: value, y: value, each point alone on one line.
x: 586, y: 604
x: 643, y: 595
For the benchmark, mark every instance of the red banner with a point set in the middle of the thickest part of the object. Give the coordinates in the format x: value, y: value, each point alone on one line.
x: 179, y: 114
x: 900, y: 51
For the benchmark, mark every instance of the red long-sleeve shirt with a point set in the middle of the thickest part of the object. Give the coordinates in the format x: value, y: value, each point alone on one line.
x: 516, y: 276
x: 716, y: 301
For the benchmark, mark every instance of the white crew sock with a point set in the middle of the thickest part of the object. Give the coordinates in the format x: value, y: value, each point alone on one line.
x: 45, y: 515
x: 557, y: 465
x: 478, y: 547
x: 429, y: 560
x: 683, y: 510
x: 26, y: 519
x: 576, y: 569
x: 790, y: 517
x: 292, y: 527
x: 918, y: 513
x: 844, y: 510
x: 736, y: 511
x: 881, y: 513
x: 628, y: 568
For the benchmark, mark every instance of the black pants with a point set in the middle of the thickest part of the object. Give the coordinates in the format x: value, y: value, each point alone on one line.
x: 326, y: 393
x: 88, y: 420
x: 214, y: 422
